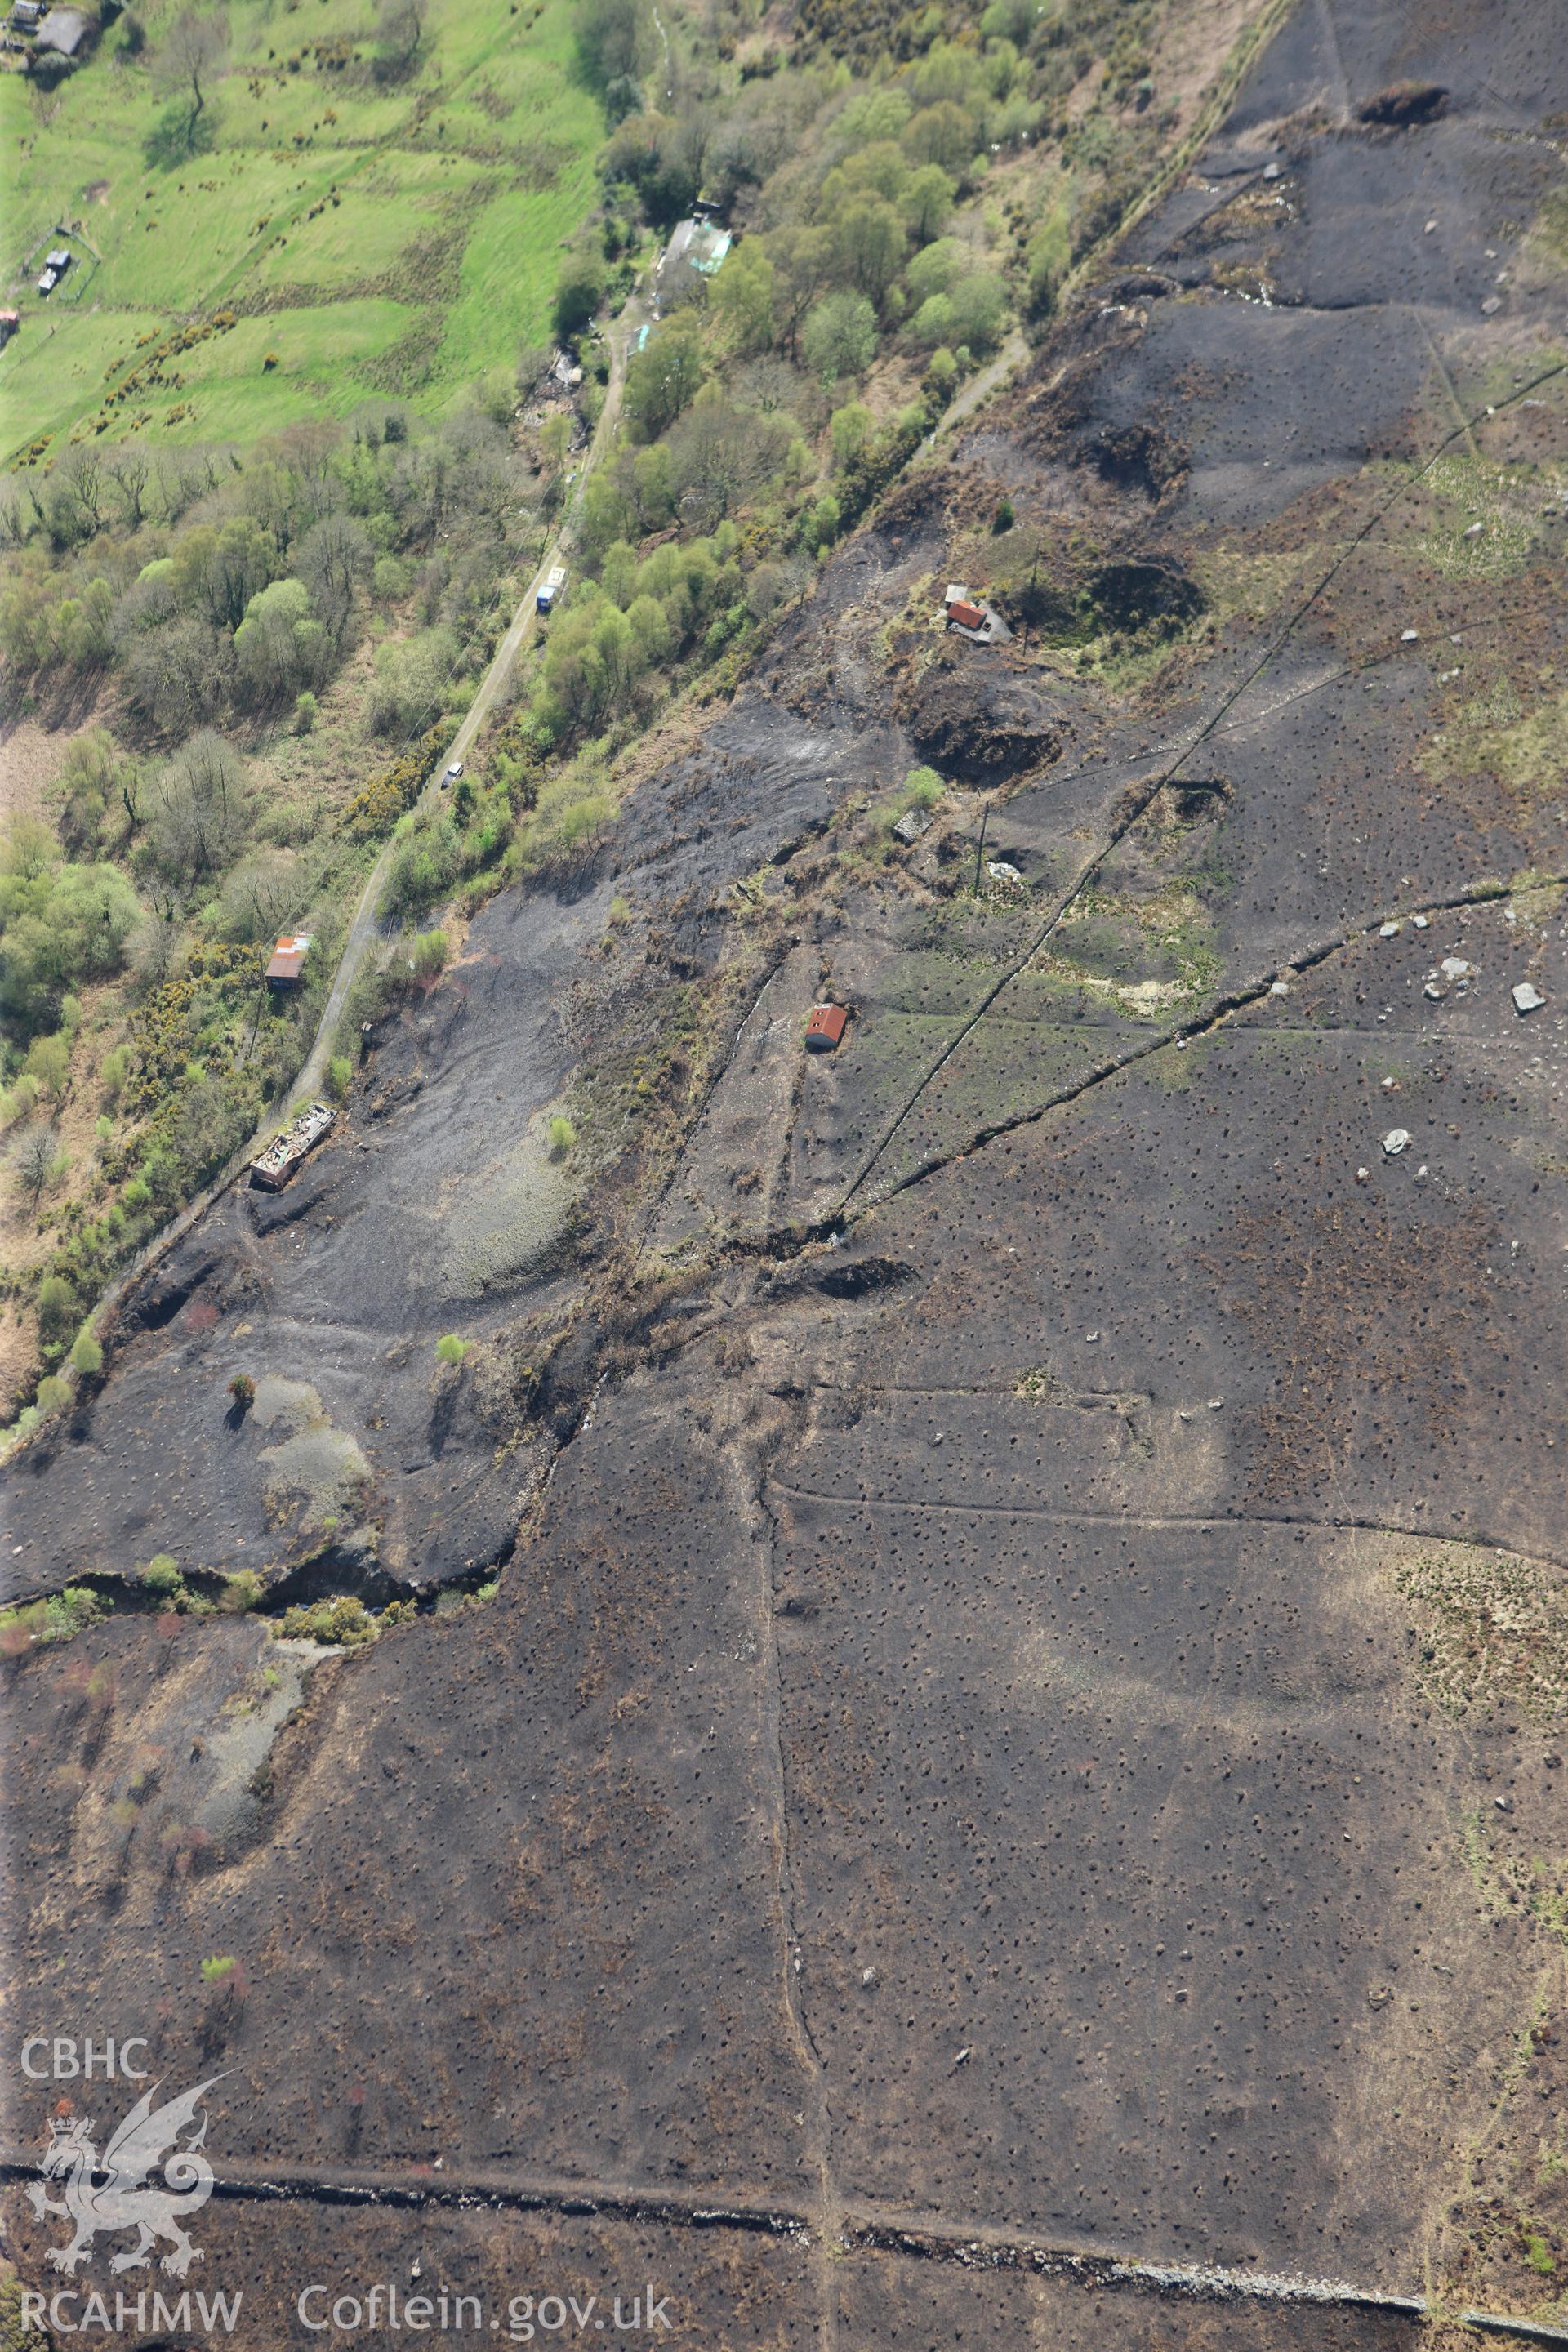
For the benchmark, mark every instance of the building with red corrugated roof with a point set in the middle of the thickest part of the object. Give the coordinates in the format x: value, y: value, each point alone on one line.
x: 289, y: 960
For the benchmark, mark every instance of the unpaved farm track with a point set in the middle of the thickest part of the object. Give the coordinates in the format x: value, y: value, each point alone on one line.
x: 1010, y: 1789
x: 364, y: 929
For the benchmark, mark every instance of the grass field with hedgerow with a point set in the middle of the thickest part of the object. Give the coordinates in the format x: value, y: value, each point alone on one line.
x: 373, y: 224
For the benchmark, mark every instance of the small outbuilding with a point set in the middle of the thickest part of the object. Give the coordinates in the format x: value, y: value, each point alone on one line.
x: 289, y: 960
x: 65, y: 30
x: 971, y: 618
x: 9, y: 322
x: 701, y: 243
x: 825, y: 1028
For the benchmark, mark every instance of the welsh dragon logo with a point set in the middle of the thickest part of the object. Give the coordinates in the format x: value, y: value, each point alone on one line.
x: 122, y: 2199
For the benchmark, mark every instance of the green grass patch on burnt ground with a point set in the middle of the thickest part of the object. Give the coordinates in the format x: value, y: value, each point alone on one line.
x: 1483, y: 517
x: 374, y: 232
x: 1516, y: 731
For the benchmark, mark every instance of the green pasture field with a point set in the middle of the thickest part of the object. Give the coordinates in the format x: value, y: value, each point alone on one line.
x: 454, y: 189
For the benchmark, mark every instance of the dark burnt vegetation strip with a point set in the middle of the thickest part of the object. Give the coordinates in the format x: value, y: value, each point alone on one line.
x: 1143, y: 797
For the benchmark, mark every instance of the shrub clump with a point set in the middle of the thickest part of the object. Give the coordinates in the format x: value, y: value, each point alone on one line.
x: 57, y: 1618
x: 342, y: 1621
x: 429, y: 954
x: 161, y: 1574
x: 377, y: 808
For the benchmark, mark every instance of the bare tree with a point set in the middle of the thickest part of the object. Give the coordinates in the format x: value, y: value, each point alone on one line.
x: 129, y: 471
x: 309, y: 449
x: 213, y: 769
x: 193, y: 57
x: 15, y: 495
x: 180, y: 480
x: 332, y: 558
x: 721, y: 454
x: 197, y: 821
x: 155, y: 946
x: 34, y: 1162
x: 176, y: 676
x: 767, y: 385
x: 260, y: 895
x: 83, y: 473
